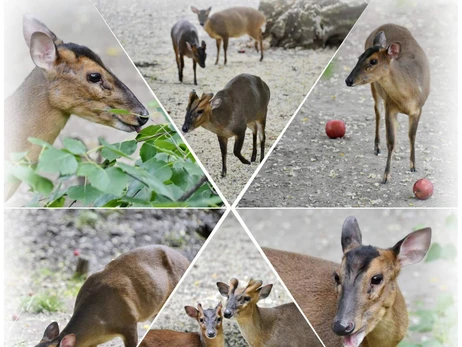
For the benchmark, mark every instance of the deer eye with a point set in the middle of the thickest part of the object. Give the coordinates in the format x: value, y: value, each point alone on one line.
x: 337, y: 278
x: 200, y: 111
x: 376, y: 280
x: 373, y: 61
x: 201, y: 320
x: 94, y: 77
x: 246, y: 298
x: 218, y: 319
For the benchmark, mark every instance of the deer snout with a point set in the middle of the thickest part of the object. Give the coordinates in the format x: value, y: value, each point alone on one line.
x: 184, y: 129
x: 343, y: 328
x: 228, y: 313
x: 143, y: 116
x: 211, y: 334
x: 349, y: 81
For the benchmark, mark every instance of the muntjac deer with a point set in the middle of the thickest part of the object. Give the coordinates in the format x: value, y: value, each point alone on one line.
x: 186, y: 43
x: 282, y: 325
x: 232, y: 22
x: 399, y: 73
x: 211, y: 331
x: 243, y: 103
x: 358, y: 302
x: 132, y: 288
x: 68, y: 79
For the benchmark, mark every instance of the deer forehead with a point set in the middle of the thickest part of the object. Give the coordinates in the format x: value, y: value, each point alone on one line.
x: 82, y: 62
x: 369, y: 261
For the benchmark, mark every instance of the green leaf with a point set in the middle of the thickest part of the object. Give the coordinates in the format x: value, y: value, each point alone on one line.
x: 434, y: 253
x: 449, y: 252
x: 39, y: 142
x: 160, y: 169
x: 86, y: 194
x: 181, y: 178
x: 432, y: 342
x: 55, y: 160
x: 27, y: 174
x: 154, y: 131
x: 111, y: 180
x: 192, y: 168
x: 426, y: 321
x: 153, y: 182
x: 119, y: 111
x: 18, y: 156
x: 74, y: 146
x: 57, y: 203
x: 408, y: 344
x: 147, y: 151
x: 444, y: 301
x: 115, y: 151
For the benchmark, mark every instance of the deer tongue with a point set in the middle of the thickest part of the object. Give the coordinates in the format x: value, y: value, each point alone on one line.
x: 353, y: 340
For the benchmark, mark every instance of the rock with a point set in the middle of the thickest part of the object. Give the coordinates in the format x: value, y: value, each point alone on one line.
x: 309, y: 24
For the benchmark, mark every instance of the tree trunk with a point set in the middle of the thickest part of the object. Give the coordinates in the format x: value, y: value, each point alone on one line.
x: 309, y: 24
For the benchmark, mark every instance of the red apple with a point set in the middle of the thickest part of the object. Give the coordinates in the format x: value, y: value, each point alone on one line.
x: 335, y: 128
x: 76, y: 252
x: 423, y: 189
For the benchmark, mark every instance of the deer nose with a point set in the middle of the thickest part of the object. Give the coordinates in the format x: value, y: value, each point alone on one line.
x: 142, y: 120
x: 349, y: 81
x: 343, y: 329
x: 227, y: 314
x: 210, y: 334
x: 184, y: 128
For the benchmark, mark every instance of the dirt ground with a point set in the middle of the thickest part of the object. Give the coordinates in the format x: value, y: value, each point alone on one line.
x: 309, y: 169
x: 230, y: 253
x: 77, y: 22
x: 143, y: 28
x: 316, y: 232
x: 39, y: 255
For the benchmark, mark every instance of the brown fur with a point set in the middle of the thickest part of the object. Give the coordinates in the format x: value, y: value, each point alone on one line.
x: 282, y: 325
x: 43, y: 103
x: 243, y: 103
x: 132, y: 288
x: 232, y: 22
x: 401, y: 82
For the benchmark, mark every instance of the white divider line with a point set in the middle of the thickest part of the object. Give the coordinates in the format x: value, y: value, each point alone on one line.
x: 236, y: 214
x: 257, y: 170
x: 206, y: 173
x: 191, y: 266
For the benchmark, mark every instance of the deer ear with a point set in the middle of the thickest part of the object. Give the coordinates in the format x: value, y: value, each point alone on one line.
x: 51, y: 332
x: 394, y: 50
x: 194, y: 9
x: 351, y: 234
x: 203, y: 45
x: 208, y: 10
x: 264, y: 291
x: 215, y: 102
x: 68, y: 341
x: 43, y: 50
x: 30, y: 25
x: 191, y: 311
x: 380, y: 40
x: 223, y: 288
x: 413, y: 247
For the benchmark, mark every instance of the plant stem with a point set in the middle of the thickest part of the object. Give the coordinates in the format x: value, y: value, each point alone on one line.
x: 190, y: 192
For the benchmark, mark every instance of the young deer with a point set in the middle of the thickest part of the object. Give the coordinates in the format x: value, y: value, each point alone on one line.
x: 282, y: 325
x: 398, y: 70
x: 232, y: 22
x: 243, y: 103
x: 132, y: 288
x: 186, y: 43
x: 68, y: 79
x: 360, y: 296
x: 211, y: 331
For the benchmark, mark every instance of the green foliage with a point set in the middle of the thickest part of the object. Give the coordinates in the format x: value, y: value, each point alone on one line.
x: 329, y: 71
x: 46, y: 301
x: 164, y: 171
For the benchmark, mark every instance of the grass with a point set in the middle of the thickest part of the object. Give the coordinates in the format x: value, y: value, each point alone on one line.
x: 46, y: 301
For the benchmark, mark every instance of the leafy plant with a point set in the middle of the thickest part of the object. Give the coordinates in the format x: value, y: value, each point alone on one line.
x: 164, y: 175
x: 44, y: 302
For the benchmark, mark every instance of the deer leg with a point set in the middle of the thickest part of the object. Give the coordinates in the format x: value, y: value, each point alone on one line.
x: 218, y: 50
x: 194, y: 68
x: 181, y: 67
x: 177, y: 62
x: 238, y: 143
x: 223, y: 148
x: 261, y: 44
x: 261, y: 133
x: 377, y: 100
x: 225, y: 47
x: 130, y: 336
x: 256, y: 46
x: 413, y: 124
x: 391, y: 120
x: 253, y: 127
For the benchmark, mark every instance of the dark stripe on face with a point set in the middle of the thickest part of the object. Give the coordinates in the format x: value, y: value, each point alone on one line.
x: 368, y: 52
x: 82, y: 51
x: 358, y: 260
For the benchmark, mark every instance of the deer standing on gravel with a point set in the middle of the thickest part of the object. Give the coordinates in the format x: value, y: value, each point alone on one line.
x: 399, y: 73
x: 130, y: 289
x: 186, y: 43
x: 68, y: 79
x: 358, y: 302
x: 232, y: 22
x: 282, y: 325
x: 243, y: 103
x: 211, y: 331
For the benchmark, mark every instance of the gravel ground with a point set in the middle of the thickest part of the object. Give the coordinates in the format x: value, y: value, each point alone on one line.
x: 40, y: 242
x: 143, y: 28
x: 308, y: 169
x: 230, y: 253
x: 72, y: 21
x: 316, y: 232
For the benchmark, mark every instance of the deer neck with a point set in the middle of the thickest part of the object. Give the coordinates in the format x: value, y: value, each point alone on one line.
x: 85, y: 328
x: 218, y: 341
x: 28, y: 113
x: 393, y: 326
x: 252, y: 326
